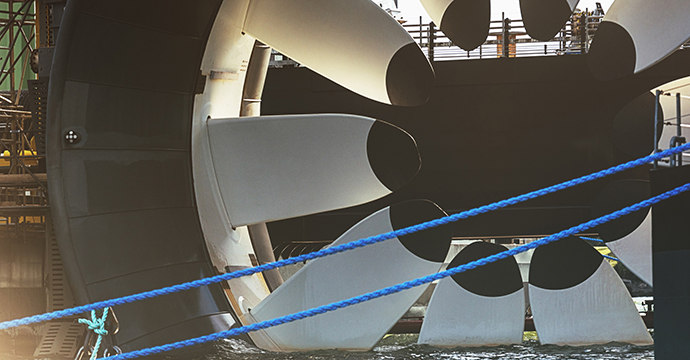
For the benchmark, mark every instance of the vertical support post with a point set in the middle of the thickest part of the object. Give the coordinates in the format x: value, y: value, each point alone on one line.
x: 506, y: 37
x: 421, y: 31
x: 679, y: 134
x: 432, y: 40
x: 251, y: 106
x: 14, y: 96
x: 656, y: 128
x: 14, y: 151
x: 585, y: 32
x: 10, y: 32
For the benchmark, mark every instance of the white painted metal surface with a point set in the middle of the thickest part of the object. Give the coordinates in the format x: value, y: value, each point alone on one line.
x: 339, y: 277
x: 657, y: 28
x: 681, y: 86
x: 350, y: 42
x: 336, y: 55
x: 227, y: 53
x: 635, y: 250
x: 457, y: 317
x: 596, y: 311
x: 436, y: 9
x: 278, y: 167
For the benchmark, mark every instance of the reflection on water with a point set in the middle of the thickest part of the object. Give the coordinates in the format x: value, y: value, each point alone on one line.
x: 403, y: 347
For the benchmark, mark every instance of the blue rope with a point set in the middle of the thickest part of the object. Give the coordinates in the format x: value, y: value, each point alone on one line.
x: 97, y: 325
x: 403, y: 286
x: 600, y: 241
x: 340, y: 248
x: 609, y: 257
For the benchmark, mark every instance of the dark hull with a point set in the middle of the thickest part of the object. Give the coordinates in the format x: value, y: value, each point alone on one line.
x: 493, y: 129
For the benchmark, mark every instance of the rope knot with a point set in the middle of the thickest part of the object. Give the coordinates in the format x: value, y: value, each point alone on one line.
x: 97, y: 325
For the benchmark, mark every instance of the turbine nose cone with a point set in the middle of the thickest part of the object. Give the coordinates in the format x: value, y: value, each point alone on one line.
x: 431, y: 244
x: 612, y: 54
x: 563, y: 264
x: 392, y: 154
x: 467, y: 23
x: 543, y: 19
x: 410, y: 77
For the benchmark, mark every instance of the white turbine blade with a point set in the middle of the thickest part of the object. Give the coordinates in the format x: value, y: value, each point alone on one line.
x: 465, y: 22
x: 630, y: 236
x: 356, y: 272
x: 578, y: 299
x: 354, y: 43
x: 544, y: 18
x: 479, y: 307
x: 636, y: 34
x: 635, y: 250
x: 278, y: 167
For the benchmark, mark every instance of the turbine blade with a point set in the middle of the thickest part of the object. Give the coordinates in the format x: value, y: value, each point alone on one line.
x: 465, y: 22
x: 278, y: 167
x: 633, y: 131
x: 479, y: 307
x: 355, y: 272
x: 636, y: 34
x: 544, y: 18
x: 629, y: 237
x: 635, y: 250
x: 564, y: 277
x: 354, y: 43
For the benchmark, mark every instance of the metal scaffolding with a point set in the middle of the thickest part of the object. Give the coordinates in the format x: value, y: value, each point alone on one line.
x: 23, y: 193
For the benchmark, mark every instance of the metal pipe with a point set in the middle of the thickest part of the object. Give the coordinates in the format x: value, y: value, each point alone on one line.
x: 10, y: 5
x: 251, y: 106
x: 656, y: 122
x: 261, y: 242
x: 256, y: 77
x: 679, y: 134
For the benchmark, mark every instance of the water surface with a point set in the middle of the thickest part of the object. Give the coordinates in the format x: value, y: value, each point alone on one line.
x: 403, y: 347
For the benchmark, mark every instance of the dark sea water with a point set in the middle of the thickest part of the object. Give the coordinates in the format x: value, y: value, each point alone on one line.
x: 404, y: 348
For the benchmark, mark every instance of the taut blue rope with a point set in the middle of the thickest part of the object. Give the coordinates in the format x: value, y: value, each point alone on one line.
x: 340, y: 248
x: 609, y: 257
x: 599, y: 241
x: 403, y: 286
x: 97, y: 325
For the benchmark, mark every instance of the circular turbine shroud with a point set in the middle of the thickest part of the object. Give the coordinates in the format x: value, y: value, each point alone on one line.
x: 122, y: 198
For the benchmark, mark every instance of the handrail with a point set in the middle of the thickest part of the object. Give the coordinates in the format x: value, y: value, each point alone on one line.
x: 570, y: 40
